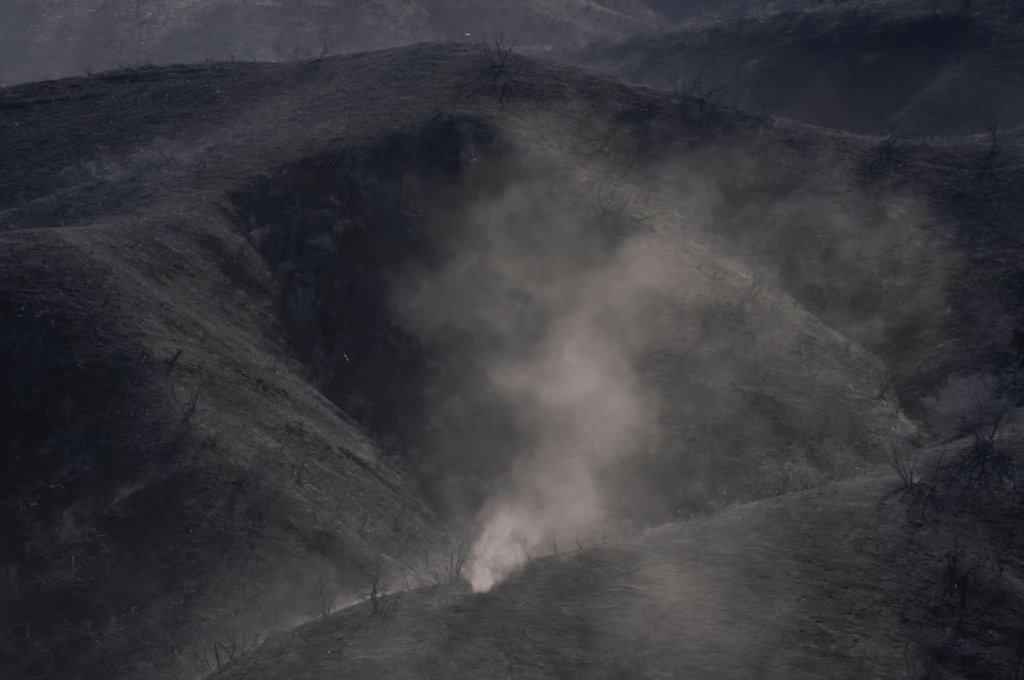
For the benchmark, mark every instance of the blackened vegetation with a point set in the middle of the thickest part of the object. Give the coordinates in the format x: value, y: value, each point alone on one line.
x: 496, y: 54
x: 966, y: 616
x: 967, y: 613
x: 502, y: 74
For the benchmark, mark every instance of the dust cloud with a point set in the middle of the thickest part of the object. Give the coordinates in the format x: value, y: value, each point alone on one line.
x: 575, y: 319
x: 644, y: 369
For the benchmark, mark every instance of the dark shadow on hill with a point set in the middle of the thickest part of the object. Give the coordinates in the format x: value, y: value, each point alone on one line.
x: 339, y: 230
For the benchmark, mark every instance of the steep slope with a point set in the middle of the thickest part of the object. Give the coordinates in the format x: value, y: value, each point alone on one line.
x: 146, y: 323
x: 151, y: 487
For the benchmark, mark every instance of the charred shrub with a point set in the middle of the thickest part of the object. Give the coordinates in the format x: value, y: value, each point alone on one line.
x: 974, y: 407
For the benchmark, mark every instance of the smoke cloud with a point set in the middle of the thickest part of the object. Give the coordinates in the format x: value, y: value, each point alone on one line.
x: 646, y: 375
x: 566, y: 315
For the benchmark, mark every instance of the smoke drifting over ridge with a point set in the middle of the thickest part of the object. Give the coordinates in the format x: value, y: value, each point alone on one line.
x: 560, y: 355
